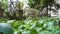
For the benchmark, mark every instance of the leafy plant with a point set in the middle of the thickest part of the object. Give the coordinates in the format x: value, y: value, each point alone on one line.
x: 36, y: 26
x: 34, y: 4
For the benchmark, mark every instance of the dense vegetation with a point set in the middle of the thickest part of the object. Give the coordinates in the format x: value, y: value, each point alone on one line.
x: 30, y: 25
x: 12, y: 14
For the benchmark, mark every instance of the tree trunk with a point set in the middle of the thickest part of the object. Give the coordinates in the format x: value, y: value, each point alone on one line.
x: 14, y: 14
x: 47, y: 11
x: 7, y: 14
x: 20, y: 13
x: 1, y: 12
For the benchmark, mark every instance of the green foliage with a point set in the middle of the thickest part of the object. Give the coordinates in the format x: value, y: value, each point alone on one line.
x: 47, y: 2
x: 44, y: 25
x: 36, y: 26
x: 33, y: 31
x: 34, y: 4
x: 20, y: 5
x: 57, y: 6
x: 4, y: 4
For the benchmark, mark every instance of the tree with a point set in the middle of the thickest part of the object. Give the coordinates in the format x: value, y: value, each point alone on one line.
x: 34, y: 4
x: 48, y: 3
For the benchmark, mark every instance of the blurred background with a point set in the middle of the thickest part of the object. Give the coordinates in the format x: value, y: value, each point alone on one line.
x: 30, y: 16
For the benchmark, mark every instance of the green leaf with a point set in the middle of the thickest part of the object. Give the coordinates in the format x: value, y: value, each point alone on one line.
x: 27, y: 26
